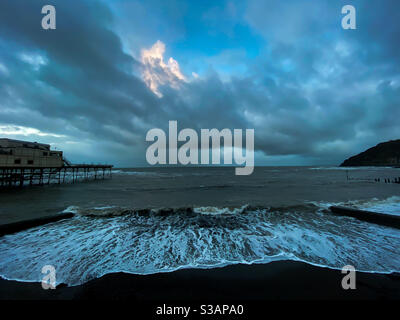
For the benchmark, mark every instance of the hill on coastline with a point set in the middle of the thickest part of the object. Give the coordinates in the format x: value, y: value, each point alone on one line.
x: 383, y: 154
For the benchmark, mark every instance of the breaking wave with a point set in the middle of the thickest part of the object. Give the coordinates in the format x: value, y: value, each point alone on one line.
x: 389, y: 205
x: 351, y: 168
x: 110, y: 239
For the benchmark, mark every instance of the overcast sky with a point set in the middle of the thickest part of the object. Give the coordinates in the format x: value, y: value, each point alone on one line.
x: 314, y: 93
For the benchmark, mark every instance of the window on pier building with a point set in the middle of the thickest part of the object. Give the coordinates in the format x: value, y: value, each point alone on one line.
x: 17, y: 161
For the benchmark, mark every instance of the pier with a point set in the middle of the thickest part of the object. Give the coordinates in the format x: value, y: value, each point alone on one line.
x: 29, y: 176
x: 25, y: 163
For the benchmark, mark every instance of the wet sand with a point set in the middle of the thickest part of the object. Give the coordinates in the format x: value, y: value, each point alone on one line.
x: 281, y: 280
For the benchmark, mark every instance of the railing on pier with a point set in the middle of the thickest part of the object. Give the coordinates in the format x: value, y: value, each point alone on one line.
x: 23, y: 176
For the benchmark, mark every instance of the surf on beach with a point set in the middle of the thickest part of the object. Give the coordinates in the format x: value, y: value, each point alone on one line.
x: 119, y: 225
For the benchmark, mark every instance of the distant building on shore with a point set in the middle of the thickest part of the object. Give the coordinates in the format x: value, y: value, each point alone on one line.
x: 16, y: 154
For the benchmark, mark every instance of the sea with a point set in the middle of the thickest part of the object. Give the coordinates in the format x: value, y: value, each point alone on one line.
x: 161, y: 219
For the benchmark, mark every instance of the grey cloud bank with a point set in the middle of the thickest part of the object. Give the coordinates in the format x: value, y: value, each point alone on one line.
x: 314, y: 94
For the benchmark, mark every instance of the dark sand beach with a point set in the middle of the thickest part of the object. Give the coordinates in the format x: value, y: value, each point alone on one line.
x: 281, y: 280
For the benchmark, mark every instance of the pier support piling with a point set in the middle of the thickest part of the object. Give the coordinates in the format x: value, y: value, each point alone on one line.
x: 30, y: 176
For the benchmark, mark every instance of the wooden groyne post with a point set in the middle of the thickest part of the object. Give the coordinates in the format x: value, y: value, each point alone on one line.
x: 369, y: 216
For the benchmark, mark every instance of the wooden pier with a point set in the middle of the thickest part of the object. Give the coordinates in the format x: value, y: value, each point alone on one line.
x: 29, y: 176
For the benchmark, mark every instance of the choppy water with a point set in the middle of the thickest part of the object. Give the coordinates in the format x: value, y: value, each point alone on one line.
x: 277, y: 214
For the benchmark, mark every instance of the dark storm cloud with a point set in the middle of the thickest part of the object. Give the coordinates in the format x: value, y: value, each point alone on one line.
x: 87, y: 79
x: 335, y: 79
x: 315, y: 92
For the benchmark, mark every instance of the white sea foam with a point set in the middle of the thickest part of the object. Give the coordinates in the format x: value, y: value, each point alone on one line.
x: 351, y: 168
x: 84, y: 247
x: 389, y: 205
x: 135, y: 173
x: 219, y: 211
x: 71, y: 209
